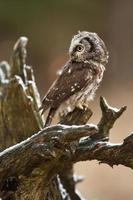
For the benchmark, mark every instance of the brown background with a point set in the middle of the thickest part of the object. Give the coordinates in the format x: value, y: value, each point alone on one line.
x: 50, y: 25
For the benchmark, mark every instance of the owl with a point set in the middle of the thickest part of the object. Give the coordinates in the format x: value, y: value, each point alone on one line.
x: 79, y: 78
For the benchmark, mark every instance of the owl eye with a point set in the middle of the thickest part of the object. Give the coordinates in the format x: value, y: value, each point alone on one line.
x: 79, y: 48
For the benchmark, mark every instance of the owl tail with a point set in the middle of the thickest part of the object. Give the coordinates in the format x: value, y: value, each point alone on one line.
x: 50, y: 116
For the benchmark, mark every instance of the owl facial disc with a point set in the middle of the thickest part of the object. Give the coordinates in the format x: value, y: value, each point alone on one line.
x: 86, y: 46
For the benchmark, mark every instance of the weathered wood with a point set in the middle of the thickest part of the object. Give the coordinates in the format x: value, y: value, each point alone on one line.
x: 42, y: 165
x: 106, y: 152
x: 19, y: 119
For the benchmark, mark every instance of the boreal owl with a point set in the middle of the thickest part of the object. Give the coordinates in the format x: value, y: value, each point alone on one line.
x: 80, y: 76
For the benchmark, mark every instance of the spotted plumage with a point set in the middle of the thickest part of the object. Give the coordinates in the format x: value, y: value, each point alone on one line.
x: 79, y: 78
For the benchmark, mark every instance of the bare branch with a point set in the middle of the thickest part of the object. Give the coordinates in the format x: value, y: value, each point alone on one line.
x: 109, y: 116
x: 94, y: 147
x: 106, y: 152
x: 38, y: 160
x: 45, y: 145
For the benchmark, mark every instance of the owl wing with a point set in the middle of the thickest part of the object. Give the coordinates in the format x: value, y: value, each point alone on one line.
x: 74, y: 77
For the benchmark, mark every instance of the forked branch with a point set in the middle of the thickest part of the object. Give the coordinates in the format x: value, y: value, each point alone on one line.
x: 36, y: 162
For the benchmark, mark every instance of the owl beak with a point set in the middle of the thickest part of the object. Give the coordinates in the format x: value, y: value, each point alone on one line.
x: 72, y: 55
x: 76, y: 56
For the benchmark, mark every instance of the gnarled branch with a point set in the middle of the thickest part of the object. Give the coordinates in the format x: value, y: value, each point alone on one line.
x: 29, y: 168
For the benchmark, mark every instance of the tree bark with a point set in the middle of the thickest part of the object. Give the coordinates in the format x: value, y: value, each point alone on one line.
x: 37, y: 163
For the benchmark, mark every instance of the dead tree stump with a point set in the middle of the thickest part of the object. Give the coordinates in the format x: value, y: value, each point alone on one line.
x: 37, y: 163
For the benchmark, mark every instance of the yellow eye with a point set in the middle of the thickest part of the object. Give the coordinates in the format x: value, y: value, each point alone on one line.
x: 79, y: 48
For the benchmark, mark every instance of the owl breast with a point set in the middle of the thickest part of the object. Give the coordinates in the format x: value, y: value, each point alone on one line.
x: 82, y: 98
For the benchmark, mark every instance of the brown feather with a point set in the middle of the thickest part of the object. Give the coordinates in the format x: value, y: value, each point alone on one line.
x: 74, y: 77
x: 79, y: 78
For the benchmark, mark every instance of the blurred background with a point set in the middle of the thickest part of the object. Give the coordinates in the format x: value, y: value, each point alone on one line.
x: 50, y: 25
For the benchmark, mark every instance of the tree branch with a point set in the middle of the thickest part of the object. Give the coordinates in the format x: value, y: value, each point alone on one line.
x: 34, y: 164
x: 56, y: 142
x: 97, y: 147
x: 106, y: 152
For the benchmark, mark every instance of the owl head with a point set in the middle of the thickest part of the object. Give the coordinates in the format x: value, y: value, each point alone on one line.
x: 86, y: 46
